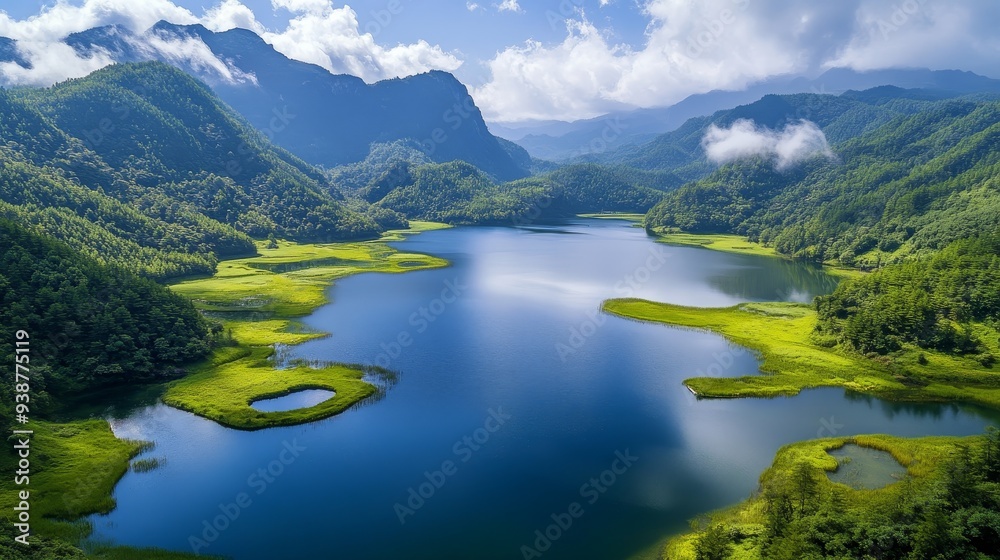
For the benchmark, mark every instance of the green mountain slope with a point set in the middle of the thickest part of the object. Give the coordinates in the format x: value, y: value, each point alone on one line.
x: 840, y: 117
x: 914, y: 184
x: 142, y: 166
x: 457, y: 192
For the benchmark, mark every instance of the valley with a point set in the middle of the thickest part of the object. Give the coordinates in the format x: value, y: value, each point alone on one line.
x: 305, y: 293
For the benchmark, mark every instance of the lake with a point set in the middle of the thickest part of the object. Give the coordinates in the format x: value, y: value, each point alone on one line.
x: 519, y: 408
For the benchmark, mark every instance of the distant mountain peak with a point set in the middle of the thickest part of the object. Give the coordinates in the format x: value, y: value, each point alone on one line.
x: 331, y: 119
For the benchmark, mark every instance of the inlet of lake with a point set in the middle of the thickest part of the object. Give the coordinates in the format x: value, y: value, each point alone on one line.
x: 515, y: 400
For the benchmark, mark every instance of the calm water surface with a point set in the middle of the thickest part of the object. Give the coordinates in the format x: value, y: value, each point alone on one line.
x: 510, y: 331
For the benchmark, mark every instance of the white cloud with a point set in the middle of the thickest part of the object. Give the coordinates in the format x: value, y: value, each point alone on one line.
x: 50, y: 62
x: 697, y: 46
x: 193, y: 52
x: 690, y: 47
x: 743, y: 139
x: 332, y: 38
x: 923, y: 33
x: 231, y: 14
x: 303, y: 6
x: 509, y: 6
x: 59, y: 20
x: 317, y: 32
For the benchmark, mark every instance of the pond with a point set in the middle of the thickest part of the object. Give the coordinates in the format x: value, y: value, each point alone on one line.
x: 293, y: 401
x: 864, y: 468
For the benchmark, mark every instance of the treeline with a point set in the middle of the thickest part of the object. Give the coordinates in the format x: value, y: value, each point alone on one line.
x: 90, y: 325
x: 912, y: 185
x: 954, y: 516
x: 930, y: 303
x: 141, y: 166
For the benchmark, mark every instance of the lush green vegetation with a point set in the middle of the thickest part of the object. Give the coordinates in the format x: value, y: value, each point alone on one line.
x: 142, y: 166
x: 73, y: 477
x: 456, y: 192
x: 843, y: 117
x: 258, y: 300
x: 947, y: 507
x: 90, y: 326
x: 794, y: 357
x: 932, y: 303
x: 922, y: 180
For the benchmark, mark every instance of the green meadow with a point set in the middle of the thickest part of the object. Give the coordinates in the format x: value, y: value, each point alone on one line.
x: 259, y: 301
x: 792, y: 359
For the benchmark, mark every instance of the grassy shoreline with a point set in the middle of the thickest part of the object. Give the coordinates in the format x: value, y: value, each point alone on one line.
x: 740, y: 245
x: 922, y: 458
x: 780, y: 333
x: 259, y: 300
x: 629, y: 217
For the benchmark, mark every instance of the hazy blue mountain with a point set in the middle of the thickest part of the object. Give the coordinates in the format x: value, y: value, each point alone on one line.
x: 8, y: 52
x: 558, y: 140
x: 324, y: 118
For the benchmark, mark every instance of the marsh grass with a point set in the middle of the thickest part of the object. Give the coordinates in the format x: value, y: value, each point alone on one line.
x: 792, y: 359
x: 259, y: 301
x: 147, y: 465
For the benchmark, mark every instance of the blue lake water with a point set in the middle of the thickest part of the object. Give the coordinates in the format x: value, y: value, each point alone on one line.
x: 516, y: 402
x: 299, y: 399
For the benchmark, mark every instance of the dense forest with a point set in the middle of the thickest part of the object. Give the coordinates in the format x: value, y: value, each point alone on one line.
x: 956, y: 515
x: 90, y: 325
x: 930, y: 302
x: 915, y: 184
x: 459, y: 193
x: 142, y: 166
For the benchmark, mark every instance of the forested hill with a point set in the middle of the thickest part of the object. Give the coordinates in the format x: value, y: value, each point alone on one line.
x: 457, y: 192
x: 143, y: 166
x: 934, y: 303
x: 914, y: 184
x: 326, y: 119
x: 841, y: 117
x: 89, y: 325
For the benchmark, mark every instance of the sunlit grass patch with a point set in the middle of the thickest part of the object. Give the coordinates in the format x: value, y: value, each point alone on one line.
x: 792, y: 359
x: 259, y: 301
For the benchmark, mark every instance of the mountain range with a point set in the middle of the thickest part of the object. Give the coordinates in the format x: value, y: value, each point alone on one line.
x: 558, y: 140
x: 325, y: 119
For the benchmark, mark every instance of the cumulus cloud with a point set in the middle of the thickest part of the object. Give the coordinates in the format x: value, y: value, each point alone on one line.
x: 332, y: 38
x: 39, y: 37
x: 787, y: 147
x: 509, y: 6
x: 693, y: 47
x: 317, y: 32
x: 229, y: 15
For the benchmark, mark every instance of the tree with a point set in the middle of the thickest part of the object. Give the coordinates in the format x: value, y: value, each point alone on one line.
x: 714, y: 543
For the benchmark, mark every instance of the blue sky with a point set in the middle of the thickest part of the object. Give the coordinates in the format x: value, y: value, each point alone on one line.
x: 477, y: 34
x: 550, y: 59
